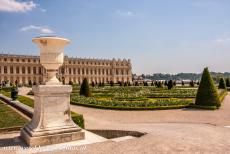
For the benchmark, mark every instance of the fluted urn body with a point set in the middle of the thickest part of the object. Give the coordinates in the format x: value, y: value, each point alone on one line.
x: 51, y: 55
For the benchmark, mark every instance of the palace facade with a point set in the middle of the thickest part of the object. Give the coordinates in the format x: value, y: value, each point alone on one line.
x: 24, y: 69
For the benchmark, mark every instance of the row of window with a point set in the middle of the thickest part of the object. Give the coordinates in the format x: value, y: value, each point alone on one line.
x: 33, y: 70
x: 19, y: 60
x: 30, y: 70
x: 94, y: 63
x: 93, y: 71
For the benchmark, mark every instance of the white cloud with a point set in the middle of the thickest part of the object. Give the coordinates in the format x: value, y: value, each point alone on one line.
x: 40, y: 29
x: 124, y: 13
x: 16, y: 6
x: 222, y: 40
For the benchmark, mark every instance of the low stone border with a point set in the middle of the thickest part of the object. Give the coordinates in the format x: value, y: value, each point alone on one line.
x: 28, y: 111
x: 10, y: 129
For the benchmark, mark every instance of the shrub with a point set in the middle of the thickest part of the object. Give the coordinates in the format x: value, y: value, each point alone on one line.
x: 174, y: 83
x: 14, y: 93
x: 78, y: 119
x: 159, y: 84
x: 182, y: 83
x: 70, y: 82
x: 93, y: 84
x: 111, y: 83
x: 152, y: 84
x: 191, y: 83
x: 84, y: 90
x: 222, y: 84
x: 165, y: 83
x: 227, y: 82
x: 207, y: 94
x: 170, y: 84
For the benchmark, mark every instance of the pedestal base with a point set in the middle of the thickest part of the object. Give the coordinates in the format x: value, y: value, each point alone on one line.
x: 50, y: 139
x: 51, y: 122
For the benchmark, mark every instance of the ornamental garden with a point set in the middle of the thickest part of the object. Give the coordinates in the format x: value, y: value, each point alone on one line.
x: 125, y: 96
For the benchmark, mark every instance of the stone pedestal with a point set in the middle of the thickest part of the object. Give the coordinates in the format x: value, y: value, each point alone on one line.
x: 51, y: 122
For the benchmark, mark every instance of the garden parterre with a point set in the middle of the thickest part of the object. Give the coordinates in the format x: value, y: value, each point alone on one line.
x: 135, y: 97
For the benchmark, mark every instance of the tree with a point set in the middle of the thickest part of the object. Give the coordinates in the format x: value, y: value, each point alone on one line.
x: 170, y: 84
x: 85, y: 90
x: 191, y: 83
x: 166, y: 83
x: 222, y: 84
x: 93, y: 84
x: 227, y: 82
x: 182, y: 83
x: 159, y: 84
x: 152, y: 84
x: 207, y: 94
x: 30, y: 83
x: 174, y: 83
x: 111, y: 83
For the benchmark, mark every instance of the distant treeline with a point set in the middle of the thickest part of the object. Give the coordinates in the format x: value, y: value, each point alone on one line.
x: 185, y: 76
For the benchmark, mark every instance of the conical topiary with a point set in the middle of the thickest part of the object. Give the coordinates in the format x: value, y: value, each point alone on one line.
x: 222, y: 84
x: 84, y: 90
x: 227, y: 82
x: 207, y: 94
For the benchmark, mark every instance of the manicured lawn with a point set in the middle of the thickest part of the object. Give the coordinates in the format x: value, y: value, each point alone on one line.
x: 9, y: 117
x: 77, y: 118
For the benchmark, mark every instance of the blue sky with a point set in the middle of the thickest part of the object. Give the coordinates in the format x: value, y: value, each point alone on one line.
x: 167, y: 36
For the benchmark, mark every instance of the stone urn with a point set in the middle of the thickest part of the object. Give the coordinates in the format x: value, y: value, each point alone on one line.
x: 51, y: 55
x: 52, y: 122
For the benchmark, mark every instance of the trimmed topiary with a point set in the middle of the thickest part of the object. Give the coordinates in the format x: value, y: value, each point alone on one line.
x: 170, y: 84
x: 227, y: 82
x: 207, y: 94
x: 85, y: 90
x: 191, y: 83
x: 222, y: 84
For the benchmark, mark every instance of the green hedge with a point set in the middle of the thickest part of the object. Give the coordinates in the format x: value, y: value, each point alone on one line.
x: 78, y: 119
x: 203, y: 107
x: 131, y: 108
x: 7, y: 89
x: 222, y: 95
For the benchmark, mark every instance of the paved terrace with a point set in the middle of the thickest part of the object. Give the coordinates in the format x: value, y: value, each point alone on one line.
x: 169, y: 131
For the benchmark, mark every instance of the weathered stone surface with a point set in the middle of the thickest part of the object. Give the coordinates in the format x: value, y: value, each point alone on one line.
x: 51, y: 122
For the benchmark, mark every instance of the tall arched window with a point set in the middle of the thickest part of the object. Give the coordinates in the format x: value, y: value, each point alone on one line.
x: 23, y: 70
x: 5, y: 69
x: 11, y: 70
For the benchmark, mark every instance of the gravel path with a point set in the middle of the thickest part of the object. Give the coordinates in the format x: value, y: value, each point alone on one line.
x: 169, y: 131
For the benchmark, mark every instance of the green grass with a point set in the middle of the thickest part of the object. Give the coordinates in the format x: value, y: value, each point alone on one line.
x: 77, y: 118
x: 9, y: 117
x: 25, y: 100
